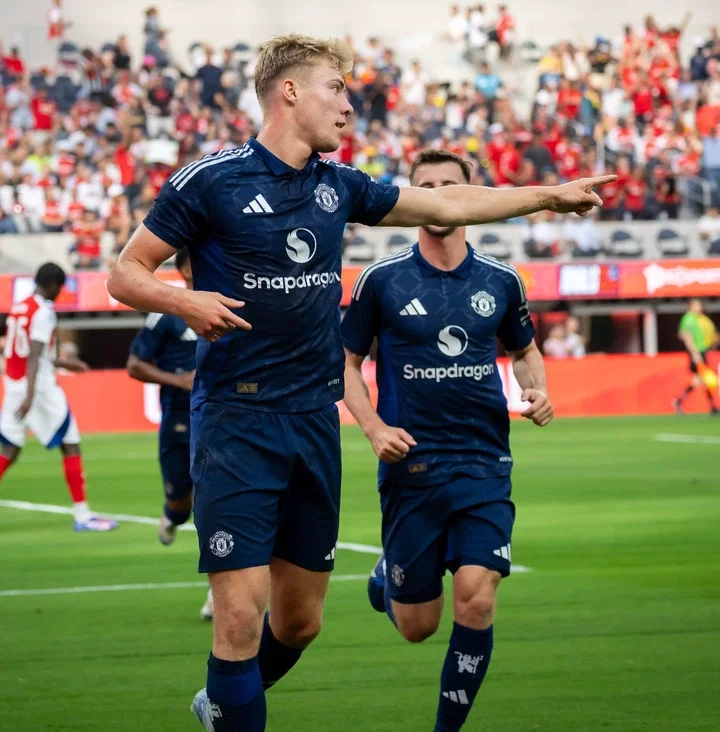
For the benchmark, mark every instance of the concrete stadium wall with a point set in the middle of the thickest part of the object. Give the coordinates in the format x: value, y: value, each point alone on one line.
x: 224, y: 22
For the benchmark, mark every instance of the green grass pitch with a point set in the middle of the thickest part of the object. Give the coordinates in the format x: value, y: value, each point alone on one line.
x: 617, y: 626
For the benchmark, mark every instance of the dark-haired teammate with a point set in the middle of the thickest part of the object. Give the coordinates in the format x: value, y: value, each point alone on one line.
x: 163, y: 353
x: 441, y: 431
x: 34, y: 400
x: 264, y: 225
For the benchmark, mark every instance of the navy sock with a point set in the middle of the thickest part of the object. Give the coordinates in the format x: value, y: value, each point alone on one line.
x: 466, y: 664
x: 235, y: 689
x: 176, y: 517
x: 275, y: 658
x: 388, y: 603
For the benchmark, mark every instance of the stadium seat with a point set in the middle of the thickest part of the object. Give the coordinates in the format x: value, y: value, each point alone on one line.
x: 69, y: 53
x: 493, y: 245
x: 672, y: 244
x: 714, y: 247
x: 397, y: 242
x: 359, y: 251
x: 107, y: 48
x: 624, y: 244
x: 38, y: 81
x: 64, y: 93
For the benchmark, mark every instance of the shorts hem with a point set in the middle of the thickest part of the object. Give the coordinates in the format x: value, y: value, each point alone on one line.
x: 454, y: 565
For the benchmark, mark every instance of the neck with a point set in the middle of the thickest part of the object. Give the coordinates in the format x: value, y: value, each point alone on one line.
x: 287, y: 147
x: 445, y: 253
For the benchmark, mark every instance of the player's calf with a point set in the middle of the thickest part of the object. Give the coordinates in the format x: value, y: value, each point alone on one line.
x: 417, y: 623
x: 470, y: 646
x: 9, y: 455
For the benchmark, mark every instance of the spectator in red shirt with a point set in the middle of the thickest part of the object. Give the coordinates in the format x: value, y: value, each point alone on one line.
x: 643, y: 100
x: 635, y: 193
x: 612, y: 195
x: 567, y: 157
x: 505, y: 31
x: 53, y: 219
x: 569, y: 99
x: 87, y: 241
x: 44, y: 111
x: 12, y: 63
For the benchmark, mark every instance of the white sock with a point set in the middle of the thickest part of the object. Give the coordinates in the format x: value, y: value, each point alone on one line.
x: 81, y: 511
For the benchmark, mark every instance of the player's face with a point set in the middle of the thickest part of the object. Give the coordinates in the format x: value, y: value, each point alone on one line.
x: 438, y: 175
x: 186, y: 273
x: 323, y: 107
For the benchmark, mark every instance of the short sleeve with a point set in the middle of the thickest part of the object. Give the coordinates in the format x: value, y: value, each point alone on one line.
x: 178, y: 216
x: 686, y: 324
x: 516, y: 329
x: 371, y: 201
x: 361, y: 322
x: 42, y: 325
x: 147, y: 344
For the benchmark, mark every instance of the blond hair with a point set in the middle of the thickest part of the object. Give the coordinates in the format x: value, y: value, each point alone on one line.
x: 286, y: 52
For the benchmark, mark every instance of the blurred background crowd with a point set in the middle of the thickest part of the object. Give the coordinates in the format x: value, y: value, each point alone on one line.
x: 87, y: 142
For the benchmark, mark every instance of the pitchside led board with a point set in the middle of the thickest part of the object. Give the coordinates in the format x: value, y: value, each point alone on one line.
x: 544, y: 281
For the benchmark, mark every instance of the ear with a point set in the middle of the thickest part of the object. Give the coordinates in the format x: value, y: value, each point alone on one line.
x: 289, y: 90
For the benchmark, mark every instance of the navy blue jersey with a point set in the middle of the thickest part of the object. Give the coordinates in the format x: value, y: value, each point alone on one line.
x: 166, y: 341
x: 436, y: 369
x: 270, y: 235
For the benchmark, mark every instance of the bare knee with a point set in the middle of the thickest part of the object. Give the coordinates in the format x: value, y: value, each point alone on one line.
x: 475, y: 597
x: 11, y: 453
x: 237, y: 625
x: 297, y: 630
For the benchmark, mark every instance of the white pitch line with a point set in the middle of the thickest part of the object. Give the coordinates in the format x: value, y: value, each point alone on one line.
x: 137, y: 587
x: 351, y: 546
x: 688, y: 439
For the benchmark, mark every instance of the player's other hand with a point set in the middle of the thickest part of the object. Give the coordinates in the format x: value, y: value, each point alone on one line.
x: 210, y: 315
x: 24, y: 408
x: 76, y: 365
x: 185, y: 380
x: 578, y: 195
x: 540, y: 410
x: 391, y: 444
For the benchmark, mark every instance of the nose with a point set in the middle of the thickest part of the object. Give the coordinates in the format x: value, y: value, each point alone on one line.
x: 347, y: 109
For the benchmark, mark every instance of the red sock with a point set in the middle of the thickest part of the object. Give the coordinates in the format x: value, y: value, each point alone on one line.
x: 4, y: 465
x: 75, y: 477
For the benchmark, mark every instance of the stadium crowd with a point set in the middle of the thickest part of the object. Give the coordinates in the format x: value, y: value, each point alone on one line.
x: 86, y: 145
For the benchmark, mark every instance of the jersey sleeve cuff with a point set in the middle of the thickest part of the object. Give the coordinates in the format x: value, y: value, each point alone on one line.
x: 167, y: 235
x: 382, y: 211
x: 354, y: 347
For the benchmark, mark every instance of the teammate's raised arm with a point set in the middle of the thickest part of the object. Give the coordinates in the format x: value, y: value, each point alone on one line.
x: 466, y: 205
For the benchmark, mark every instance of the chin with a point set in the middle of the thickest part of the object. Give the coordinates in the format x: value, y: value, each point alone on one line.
x: 440, y: 231
x: 327, y: 144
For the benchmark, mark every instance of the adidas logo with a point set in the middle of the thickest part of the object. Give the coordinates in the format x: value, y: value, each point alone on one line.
x: 459, y: 697
x: 503, y: 551
x: 258, y: 205
x: 332, y: 554
x: 414, y: 307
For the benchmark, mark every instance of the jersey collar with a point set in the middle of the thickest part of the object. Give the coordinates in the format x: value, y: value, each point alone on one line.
x: 277, y: 166
x: 462, y: 271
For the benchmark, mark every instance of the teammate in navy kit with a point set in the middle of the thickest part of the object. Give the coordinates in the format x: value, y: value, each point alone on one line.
x: 441, y: 431
x: 264, y: 226
x: 163, y: 353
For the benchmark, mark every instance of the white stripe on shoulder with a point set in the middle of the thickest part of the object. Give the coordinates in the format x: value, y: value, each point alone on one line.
x: 152, y: 320
x: 487, y: 259
x: 178, y: 174
x: 392, y: 259
x: 223, y: 156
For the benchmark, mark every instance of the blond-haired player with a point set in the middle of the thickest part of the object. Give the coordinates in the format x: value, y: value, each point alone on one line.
x: 264, y: 226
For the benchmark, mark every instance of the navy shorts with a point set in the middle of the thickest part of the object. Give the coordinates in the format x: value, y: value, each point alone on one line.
x: 426, y: 530
x: 174, y: 444
x: 266, y: 485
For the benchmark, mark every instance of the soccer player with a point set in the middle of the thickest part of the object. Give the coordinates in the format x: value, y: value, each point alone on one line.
x: 264, y: 226
x: 698, y: 334
x: 163, y: 353
x: 441, y: 430
x: 33, y: 399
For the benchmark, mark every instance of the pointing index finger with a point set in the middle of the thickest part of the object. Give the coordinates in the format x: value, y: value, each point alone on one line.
x: 601, y: 180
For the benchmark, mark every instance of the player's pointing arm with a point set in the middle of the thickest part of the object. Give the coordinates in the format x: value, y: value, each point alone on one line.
x: 467, y: 205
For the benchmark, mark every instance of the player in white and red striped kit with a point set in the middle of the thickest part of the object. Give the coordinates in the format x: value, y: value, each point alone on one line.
x: 34, y: 400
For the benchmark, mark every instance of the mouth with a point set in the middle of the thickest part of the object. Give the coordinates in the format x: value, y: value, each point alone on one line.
x: 340, y: 125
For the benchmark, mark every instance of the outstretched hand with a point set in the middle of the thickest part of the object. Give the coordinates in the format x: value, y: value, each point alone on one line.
x: 578, y: 196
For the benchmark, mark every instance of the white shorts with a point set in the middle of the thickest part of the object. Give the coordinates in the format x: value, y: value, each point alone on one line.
x: 49, y: 416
